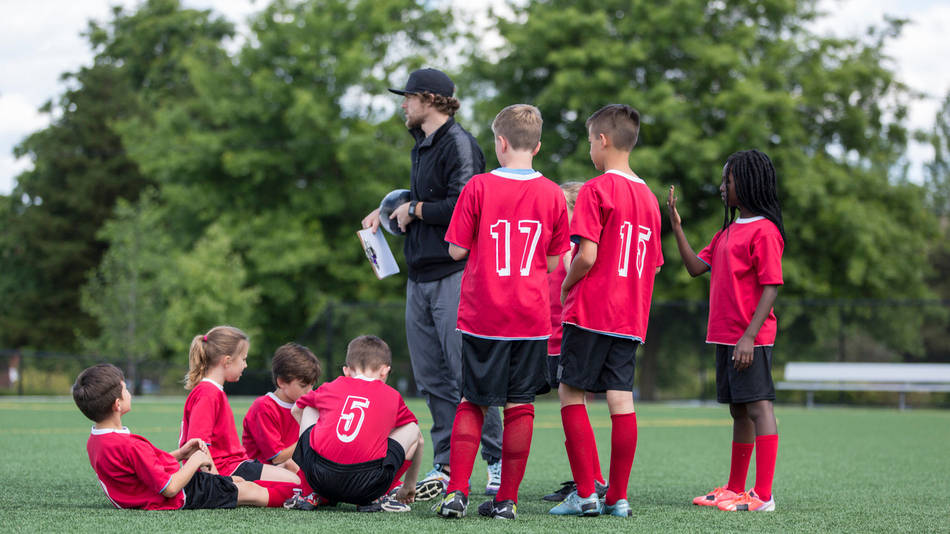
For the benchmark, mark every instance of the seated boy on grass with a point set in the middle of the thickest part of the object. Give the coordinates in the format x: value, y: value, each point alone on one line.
x: 133, y: 472
x: 357, y: 435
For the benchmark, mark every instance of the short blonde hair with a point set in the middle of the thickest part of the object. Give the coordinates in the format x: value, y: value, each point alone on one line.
x: 571, y: 189
x: 520, y: 124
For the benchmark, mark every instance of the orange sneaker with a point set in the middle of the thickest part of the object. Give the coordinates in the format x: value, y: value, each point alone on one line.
x: 714, y: 497
x: 748, y: 502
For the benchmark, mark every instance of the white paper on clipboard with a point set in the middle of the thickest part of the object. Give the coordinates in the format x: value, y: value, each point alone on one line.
x: 378, y: 253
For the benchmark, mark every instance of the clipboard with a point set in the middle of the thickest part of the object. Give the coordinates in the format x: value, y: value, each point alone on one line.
x: 377, y: 251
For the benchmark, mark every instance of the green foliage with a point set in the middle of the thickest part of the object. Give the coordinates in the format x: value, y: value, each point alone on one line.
x: 124, y: 294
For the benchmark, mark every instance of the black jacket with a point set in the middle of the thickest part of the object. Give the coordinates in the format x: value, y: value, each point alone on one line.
x: 441, y: 165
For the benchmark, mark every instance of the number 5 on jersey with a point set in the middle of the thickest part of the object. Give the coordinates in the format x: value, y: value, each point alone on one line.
x: 351, y: 418
x: 626, y: 233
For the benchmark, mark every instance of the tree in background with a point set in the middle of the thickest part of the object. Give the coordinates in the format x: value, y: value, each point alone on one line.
x: 81, y: 168
x: 287, y: 145
x: 124, y: 294
x: 711, y: 78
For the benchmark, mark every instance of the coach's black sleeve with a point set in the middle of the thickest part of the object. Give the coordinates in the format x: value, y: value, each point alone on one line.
x: 461, y: 159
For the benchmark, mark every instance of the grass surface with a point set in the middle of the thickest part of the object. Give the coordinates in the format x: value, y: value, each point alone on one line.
x: 839, y: 470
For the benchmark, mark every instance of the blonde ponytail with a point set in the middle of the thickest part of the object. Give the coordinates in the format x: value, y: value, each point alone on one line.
x: 208, y: 349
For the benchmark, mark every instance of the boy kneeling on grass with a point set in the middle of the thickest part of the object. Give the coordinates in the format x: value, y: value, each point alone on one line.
x: 133, y: 472
x: 357, y: 435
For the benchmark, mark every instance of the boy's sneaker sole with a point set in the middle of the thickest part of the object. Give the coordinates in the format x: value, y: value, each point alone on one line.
x: 427, y: 490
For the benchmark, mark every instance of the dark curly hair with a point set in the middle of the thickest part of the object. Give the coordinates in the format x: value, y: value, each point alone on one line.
x: 443, y: 104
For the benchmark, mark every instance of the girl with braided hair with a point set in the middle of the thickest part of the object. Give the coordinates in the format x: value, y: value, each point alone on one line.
x: 744, y: 259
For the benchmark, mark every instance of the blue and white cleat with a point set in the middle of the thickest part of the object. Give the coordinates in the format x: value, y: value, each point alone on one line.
x: 577, y: 505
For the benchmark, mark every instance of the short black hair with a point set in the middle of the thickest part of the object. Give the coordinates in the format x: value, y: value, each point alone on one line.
x: 96, y: 390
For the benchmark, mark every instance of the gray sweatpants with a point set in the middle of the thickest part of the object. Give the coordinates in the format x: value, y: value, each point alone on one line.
x: 435, y: 349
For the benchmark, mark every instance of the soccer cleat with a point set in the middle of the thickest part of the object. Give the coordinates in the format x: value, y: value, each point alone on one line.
x: 620, y: 508
x: 574, y: 504
x: 432, y: 485
x: 748, y: 502
x: 506, y: 509
x: 384, y: 504
x: 568, y: 487
x: 714, y: 497
x: 494, y: 478
x: 453, y: 505
x: 298, y: 502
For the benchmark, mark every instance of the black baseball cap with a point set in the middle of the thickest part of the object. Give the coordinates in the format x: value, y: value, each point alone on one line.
x: 427, y: 80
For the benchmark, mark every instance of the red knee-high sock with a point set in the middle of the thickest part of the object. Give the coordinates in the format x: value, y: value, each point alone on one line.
x: 304, y: 485
x: 463, y: 446
x: 739, y: 466
x: 397, y: 480
x: 515, y: 446
x: 595, y: 462
x: 277, y: 492
x: 579, y: 441
x: 623, y: 447
x: 766, y: 449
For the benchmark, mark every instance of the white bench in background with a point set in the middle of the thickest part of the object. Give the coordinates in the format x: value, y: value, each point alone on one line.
x: 852, y: 376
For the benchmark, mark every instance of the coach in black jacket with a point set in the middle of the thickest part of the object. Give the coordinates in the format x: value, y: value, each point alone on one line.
x: 444, y: 157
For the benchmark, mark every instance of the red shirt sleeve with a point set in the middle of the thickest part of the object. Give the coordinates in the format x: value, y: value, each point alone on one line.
x: 404, y: 416
x: 204, y: 413
x: 560, y: 238
x: 147, y: 465
x: 308, y: 400
x: 767, y: 248
x: 264, y: 427
x: 587, y: 221
x: 461, y: 230
x: 706, y: 254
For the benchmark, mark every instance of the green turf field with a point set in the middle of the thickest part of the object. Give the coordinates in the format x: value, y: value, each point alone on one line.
x: 839, y: 470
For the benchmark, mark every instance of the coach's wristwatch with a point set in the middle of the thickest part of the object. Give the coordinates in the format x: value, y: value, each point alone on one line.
x: 412, y: 208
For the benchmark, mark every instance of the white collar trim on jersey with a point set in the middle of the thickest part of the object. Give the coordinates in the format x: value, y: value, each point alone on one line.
x: 279, y: 402
x: 363, y: 377
x: 748, y: 220
x: 103, y: 431
x: 213, y: 382
x: 514, y: 174
x: 625, y: 175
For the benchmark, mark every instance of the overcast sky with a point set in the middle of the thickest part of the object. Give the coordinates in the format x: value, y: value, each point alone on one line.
x: 40, y: 39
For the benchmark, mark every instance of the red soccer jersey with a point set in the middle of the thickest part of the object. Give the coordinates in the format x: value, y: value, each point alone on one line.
x: 619, y: 213
x: 555, y: 279
x: 510, y: 220
x: 269, y: 428
x: 132, y: 471
x: 743, y: 258
x: 208, y: 416
x: 356, y: 416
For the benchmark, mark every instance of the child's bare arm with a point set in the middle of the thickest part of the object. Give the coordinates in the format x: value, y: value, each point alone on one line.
x: 585, y: 254
x: 552, y: 263
x: 458, y: 253
x: 197, y: 460
x: 308, y: 417
x: 742, y: 356
x: 190, y: 446
x: 694, y: 265
x: 284, y: 455
x: 407, y: 493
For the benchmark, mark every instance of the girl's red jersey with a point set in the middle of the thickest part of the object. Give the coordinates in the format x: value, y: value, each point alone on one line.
x: 555, y: 279
x: 132, y: 471
x: 619, y: 213
x: 356, y: 416
x: 510, y: 221
x: 742, y: 259
x: 208, y: 416
x: 269, y: 428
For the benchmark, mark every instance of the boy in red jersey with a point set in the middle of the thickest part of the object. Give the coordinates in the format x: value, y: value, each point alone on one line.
x: 270, y: 430
x: 357, y: 434
x: 555, y: 280
x: 134, y: 473
x: 607, y: 295
x: 511, y: 223
x: 744, y: 259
